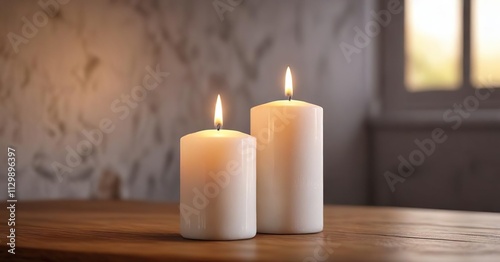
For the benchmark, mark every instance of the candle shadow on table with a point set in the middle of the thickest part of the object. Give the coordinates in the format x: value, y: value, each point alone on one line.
x: 145, y: 236
x: 151, y: 236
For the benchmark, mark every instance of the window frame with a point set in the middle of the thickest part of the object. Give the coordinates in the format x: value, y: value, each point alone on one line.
x: 393, y: 91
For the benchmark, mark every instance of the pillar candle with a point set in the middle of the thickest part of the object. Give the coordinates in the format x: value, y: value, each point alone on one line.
x: 289, y: 165
x: 218, y: 184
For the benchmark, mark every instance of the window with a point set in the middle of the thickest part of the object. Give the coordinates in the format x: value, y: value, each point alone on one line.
x: 433, y: 44
x: 438, y: 51
x: 485, y: 42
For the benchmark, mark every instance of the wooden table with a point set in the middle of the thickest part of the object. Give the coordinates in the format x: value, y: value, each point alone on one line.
x: 140, y: 231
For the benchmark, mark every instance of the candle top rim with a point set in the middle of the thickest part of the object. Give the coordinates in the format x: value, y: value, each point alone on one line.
x: 292, y: 103
x: 223, y: 133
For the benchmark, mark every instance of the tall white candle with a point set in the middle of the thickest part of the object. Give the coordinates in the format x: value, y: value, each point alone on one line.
x: 289, y: 165
x: 218, y: 184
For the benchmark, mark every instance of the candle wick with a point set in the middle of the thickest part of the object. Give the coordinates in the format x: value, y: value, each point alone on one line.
x: 289, y: 98
x: 218, y: 127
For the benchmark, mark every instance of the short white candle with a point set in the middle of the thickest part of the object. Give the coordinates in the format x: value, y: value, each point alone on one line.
x: 217, y: 179
x: 289, y: 165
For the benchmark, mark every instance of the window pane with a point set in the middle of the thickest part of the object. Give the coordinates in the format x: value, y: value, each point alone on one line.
x: 485, y: 43
x: 433, y: 49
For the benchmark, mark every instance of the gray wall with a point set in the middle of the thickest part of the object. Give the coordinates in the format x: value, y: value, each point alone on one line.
x: 66, y: 77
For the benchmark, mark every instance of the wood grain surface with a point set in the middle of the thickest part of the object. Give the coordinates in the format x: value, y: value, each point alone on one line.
x: 144, y: 231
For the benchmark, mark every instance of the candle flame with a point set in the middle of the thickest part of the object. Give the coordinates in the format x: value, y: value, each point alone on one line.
x: 218, y: 114
x: 288, y: 83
